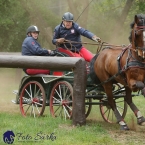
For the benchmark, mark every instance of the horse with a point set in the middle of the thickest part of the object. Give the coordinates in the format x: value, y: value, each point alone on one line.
x: 124, y: 65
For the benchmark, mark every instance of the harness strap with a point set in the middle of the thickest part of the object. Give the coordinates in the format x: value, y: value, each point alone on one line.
x: 111, y: 78
x: 136, y: 64
x: 120, y: 70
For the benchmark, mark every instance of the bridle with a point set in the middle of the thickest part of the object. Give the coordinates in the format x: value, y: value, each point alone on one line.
x: 136, y: 46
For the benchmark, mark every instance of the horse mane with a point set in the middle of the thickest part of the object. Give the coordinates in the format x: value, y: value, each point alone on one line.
x: 141, y: 18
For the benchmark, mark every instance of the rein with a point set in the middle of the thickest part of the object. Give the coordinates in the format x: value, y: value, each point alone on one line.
x: 120, y: 70
x: 129, y: 64
x: 106, y: 44
x: 132, y: 59
x: 100, y: 45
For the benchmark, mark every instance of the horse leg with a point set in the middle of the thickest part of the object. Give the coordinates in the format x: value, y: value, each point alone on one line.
x: 120, y: 120
x: 128, y: 99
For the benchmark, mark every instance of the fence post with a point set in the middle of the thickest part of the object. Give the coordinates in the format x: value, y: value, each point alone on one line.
x: 79, y: 88
x: 56, y: 63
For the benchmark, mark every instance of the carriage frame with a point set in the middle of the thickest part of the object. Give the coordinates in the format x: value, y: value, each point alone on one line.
x: 56, y: 91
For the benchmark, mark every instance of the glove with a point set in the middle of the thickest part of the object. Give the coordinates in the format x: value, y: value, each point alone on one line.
x: 60, y: 40
x: 95, y: 38
x: 52, y: 52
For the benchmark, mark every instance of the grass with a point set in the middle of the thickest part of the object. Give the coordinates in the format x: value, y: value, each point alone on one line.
x: 95, y: 132
x: 65, y: 133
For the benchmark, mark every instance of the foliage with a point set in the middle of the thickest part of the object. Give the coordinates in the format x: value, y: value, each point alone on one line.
x: 13, y: 19
x: 41, y: 16
x: 137, y: 8
x: 99, y: 16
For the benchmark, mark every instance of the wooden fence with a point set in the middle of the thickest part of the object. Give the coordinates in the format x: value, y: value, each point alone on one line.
x: 78, y: 65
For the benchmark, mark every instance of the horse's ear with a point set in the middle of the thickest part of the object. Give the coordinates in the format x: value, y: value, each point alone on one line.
x: 136, y: 19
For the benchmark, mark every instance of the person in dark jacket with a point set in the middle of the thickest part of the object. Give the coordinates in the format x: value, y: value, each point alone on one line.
x: 31, y: 47
x: 71, y: 31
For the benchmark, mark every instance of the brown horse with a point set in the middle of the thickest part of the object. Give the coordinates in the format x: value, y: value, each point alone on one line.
x: 125, y: 66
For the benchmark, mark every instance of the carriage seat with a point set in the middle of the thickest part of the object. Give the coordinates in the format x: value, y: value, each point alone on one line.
x: 36, y: 71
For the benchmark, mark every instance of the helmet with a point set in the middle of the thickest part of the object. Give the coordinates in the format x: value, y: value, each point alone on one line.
x: 67, y: 16
x: 32, y: 29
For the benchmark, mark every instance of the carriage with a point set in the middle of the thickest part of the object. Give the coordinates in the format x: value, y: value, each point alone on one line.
x: 119, y: 70
x: 56, y: 91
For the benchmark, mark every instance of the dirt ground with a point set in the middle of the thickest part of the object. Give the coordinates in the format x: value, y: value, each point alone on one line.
x: 129, y: 137
x: 10, y: 79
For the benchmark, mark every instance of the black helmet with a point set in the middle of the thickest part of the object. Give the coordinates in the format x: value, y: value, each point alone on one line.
x: 32, y: 29
x: 68, y: 16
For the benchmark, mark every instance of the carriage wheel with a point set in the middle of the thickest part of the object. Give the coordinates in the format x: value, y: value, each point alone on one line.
x: 88, y: 107
x: 61, y: 99
x: 32, y: 99
x: 106, y: 111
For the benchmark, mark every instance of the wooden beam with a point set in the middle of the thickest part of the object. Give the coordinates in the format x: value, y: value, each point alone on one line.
x: 77, y: 64
x: 42, y: 62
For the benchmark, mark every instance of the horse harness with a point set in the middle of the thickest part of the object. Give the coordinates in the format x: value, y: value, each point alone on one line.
x: 134, y: 63
x: 135, y: 32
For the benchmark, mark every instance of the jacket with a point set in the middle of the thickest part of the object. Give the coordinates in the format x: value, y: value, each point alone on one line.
x: 31, y: 47
x: 72, y: 34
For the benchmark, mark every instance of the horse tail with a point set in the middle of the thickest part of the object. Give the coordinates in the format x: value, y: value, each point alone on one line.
x: 92, y: 73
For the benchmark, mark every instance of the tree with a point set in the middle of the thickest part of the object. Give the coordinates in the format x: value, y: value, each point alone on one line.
x: 122, y: 18
x: 108, y: 19
x: 12, y: 25
x: 41, y: 16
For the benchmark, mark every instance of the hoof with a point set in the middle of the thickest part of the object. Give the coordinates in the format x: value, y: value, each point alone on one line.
x: 124, y: 127
x: 141, y: 121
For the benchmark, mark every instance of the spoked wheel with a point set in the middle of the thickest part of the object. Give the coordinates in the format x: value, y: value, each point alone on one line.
x: 61, y: 99
x: 32, y: 99
x: 105, y: 109
x: 88, y: 106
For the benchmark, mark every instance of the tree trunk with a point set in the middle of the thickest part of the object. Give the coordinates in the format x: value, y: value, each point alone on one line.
x: 118, y: 26
x: 125, y: 11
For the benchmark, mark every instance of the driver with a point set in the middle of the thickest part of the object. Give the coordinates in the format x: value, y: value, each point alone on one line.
x: 71, y: 31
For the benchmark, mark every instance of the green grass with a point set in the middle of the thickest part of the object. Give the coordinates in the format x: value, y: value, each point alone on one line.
x: 95, y: 132
x: 65, y: 133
